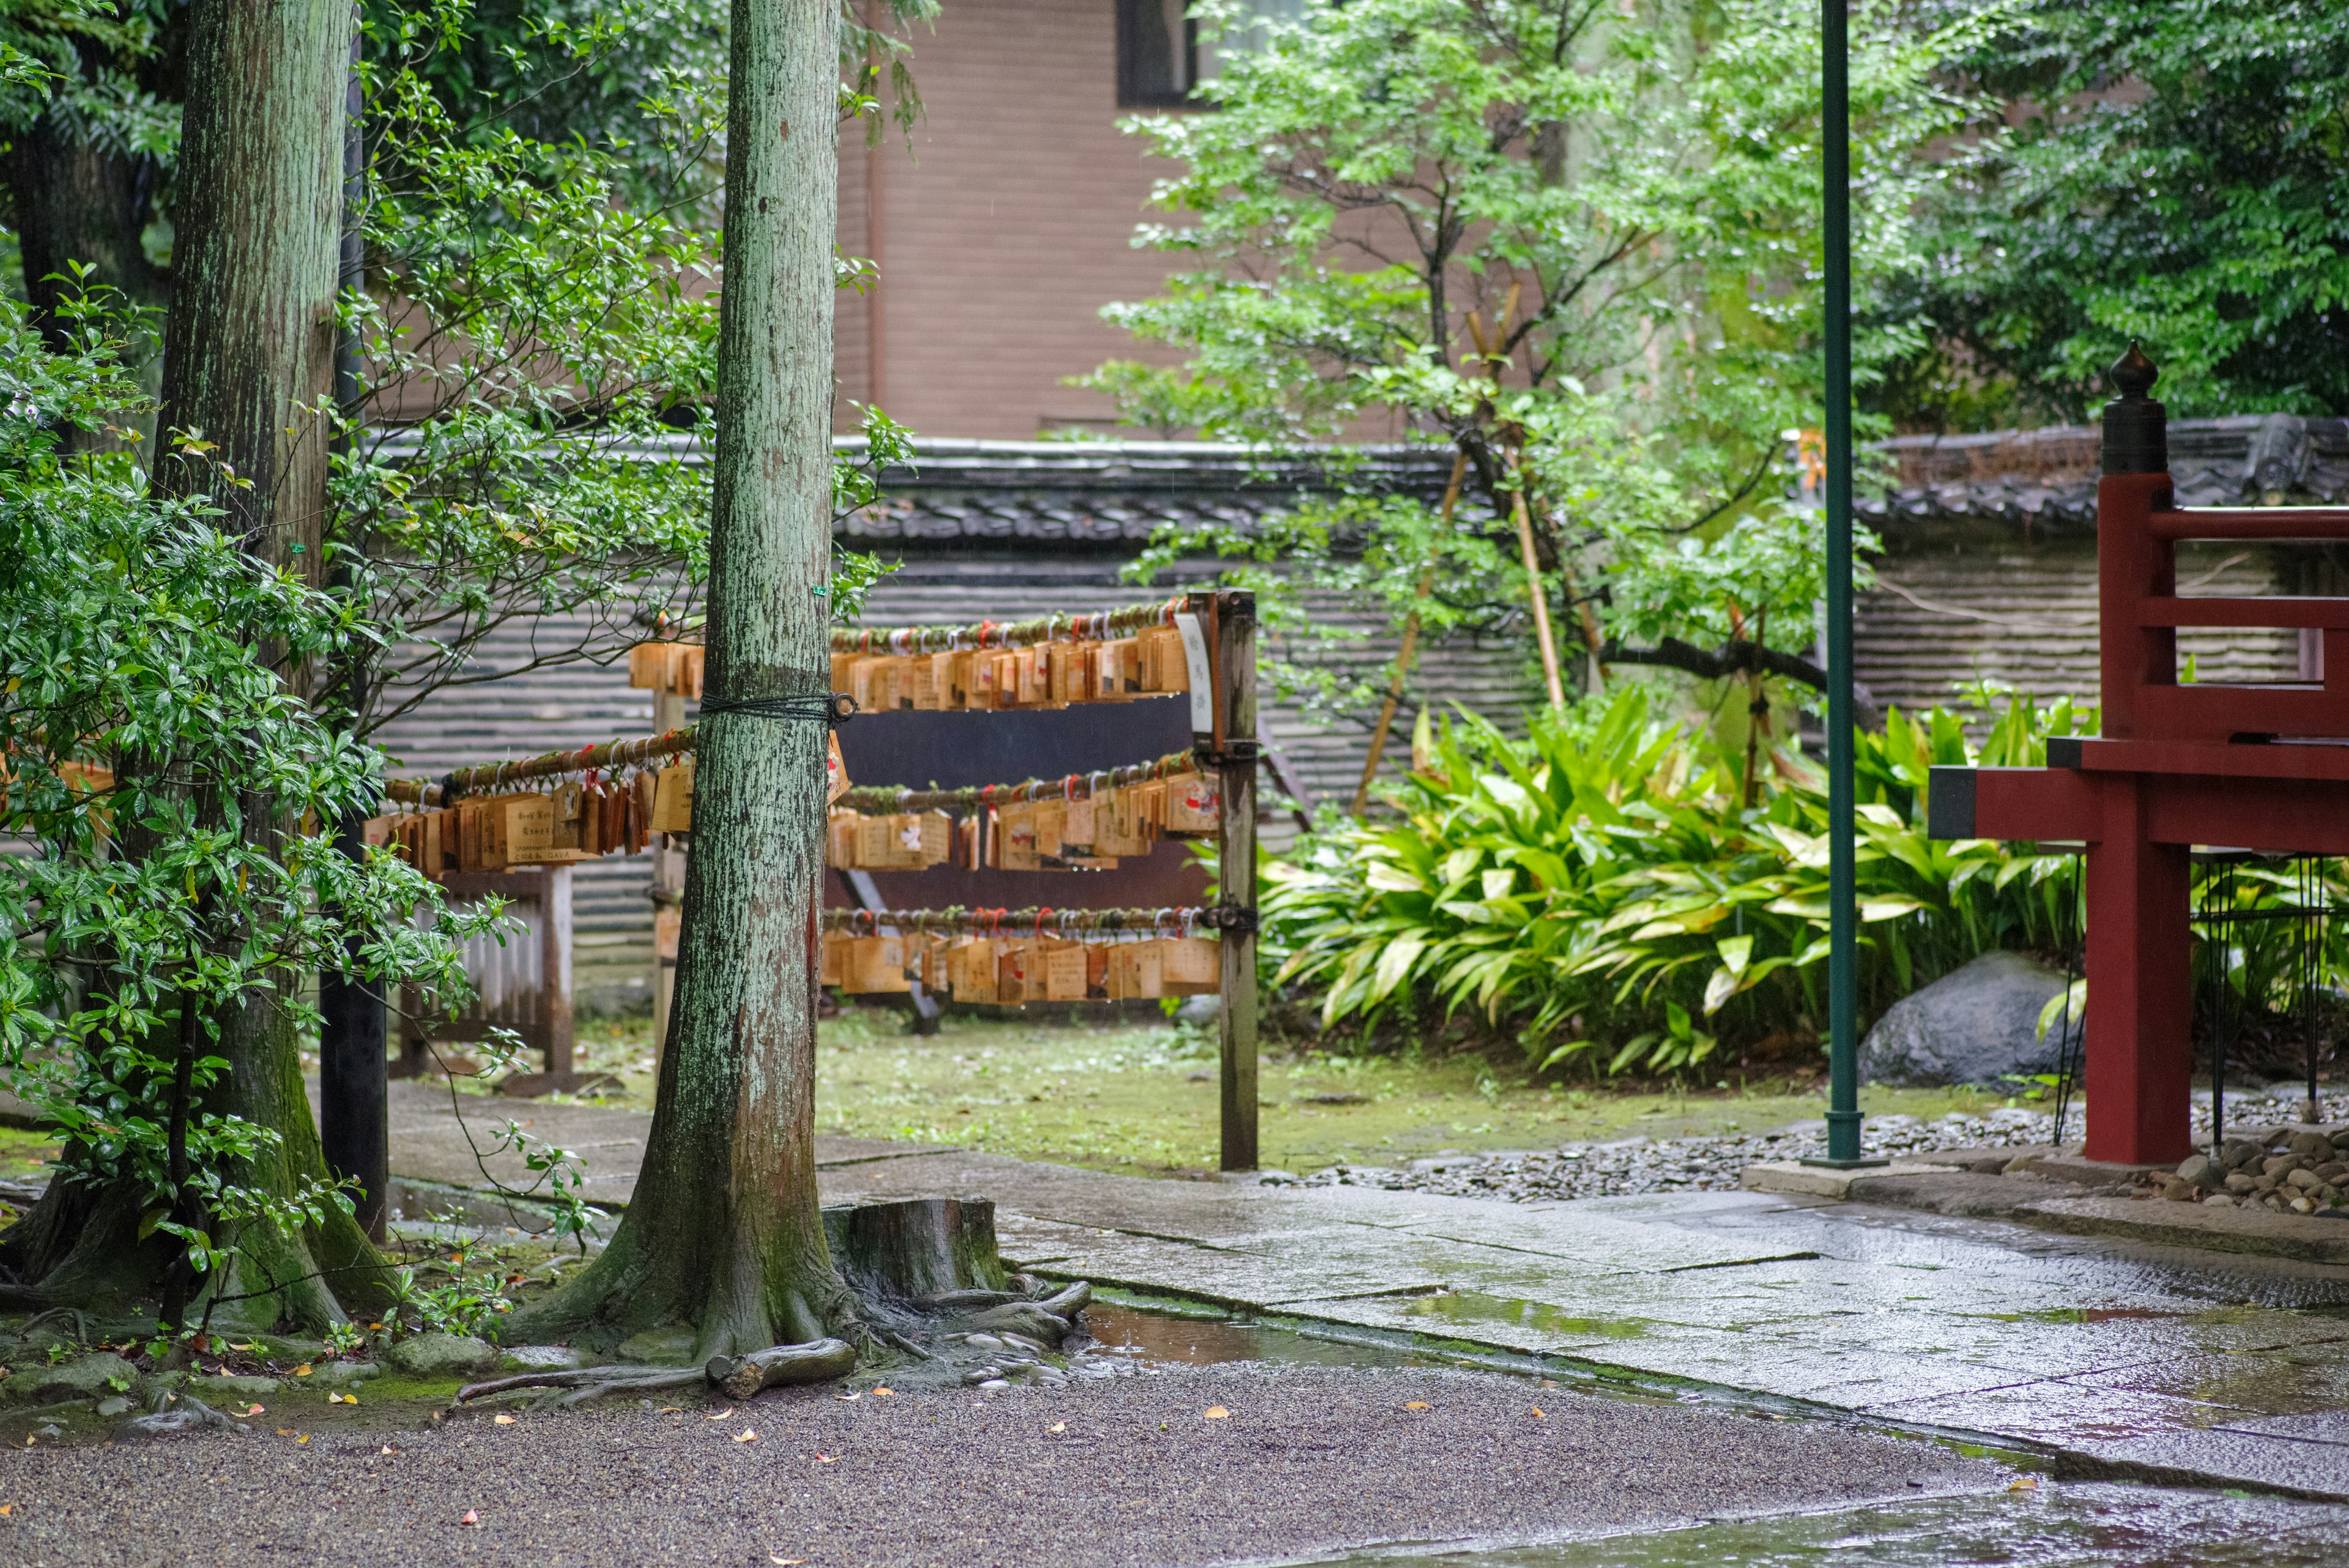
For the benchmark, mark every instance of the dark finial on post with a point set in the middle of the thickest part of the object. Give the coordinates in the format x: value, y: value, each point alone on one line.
x: 2137, y: 429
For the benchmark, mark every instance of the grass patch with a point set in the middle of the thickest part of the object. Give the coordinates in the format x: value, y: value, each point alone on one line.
x: 1142, y: 1098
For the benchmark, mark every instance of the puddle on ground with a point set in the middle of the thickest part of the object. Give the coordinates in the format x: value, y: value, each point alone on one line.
x: 1467, y: 1306
x: 2058, y: 1525
x: 1207, y: 1341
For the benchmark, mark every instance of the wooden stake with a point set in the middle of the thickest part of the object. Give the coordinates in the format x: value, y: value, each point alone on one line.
x: 1235, y: 870
x: 1403, y: 655
x: 1541, y: 602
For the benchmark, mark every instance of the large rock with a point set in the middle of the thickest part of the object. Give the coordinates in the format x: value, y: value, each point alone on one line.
x: 1974, y: 1025
x: 88, y: 1376
x: 442, y: 1356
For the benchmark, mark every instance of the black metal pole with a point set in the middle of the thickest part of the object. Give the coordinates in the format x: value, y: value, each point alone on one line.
x: 354, y: 1088
x: 1843, y: 914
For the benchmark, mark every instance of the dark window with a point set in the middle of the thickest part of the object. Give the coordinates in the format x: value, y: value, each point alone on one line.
x: 1157, y: 54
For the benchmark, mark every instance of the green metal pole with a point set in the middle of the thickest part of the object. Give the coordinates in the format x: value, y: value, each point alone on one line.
x: 1843, y: 915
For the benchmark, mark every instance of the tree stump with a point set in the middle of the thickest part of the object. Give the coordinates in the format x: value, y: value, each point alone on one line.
x: 913, y: 1249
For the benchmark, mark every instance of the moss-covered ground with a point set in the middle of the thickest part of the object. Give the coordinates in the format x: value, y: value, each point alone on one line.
x: 1141, y: 1098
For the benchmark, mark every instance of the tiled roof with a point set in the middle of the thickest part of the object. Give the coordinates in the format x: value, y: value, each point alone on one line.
x: 1109, y: 496
x: 2048, y: 478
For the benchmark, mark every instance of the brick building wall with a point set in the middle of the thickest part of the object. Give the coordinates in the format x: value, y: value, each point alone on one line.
x: 1002, y: 232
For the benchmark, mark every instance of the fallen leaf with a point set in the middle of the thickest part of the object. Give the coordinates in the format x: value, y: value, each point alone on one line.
x: 746, y: 1436
x: 721, y: 1415
x: 252, y: 1410
x: 1214, y: 1413
x: 284, y: 1431
x: 786, y: 1561
x: 1539, y: 1411
x: 376, y: 1325
x: 472, y: 1516
x: 2023, y: 1483
x: 6, y: 1509
x: 670, y: 1410
x: 501, y: 1420
x: 301, y: 1436
x: 388, y: 1449
x: 827, y: 1459
x: 1546, y: 1383
x: 1058, y: 1426
x: 1418, y: 1405
x: 850, y: 1398
x: 244, y: 1347
x: 884, y: 1393
x: 303, y: 1370
x: 342, y: 1398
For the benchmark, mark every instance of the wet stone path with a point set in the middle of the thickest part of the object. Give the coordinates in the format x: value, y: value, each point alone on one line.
x: 2105, y: 1356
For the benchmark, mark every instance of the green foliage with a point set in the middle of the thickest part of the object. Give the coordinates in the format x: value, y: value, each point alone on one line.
x: 538, y: 357
x: 2178, y: 174
x: 1596, y: 888
x: 170, y: 788
x: 1635, y: 189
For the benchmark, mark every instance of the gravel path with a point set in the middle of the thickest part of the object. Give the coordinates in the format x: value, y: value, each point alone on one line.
x: 1130, y: 1472
x: 1634, y: 1166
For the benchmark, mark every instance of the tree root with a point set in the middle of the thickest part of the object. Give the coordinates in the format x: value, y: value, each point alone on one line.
x: 741, y: 1376
x: 601, y: 1379
x: 818, y: 1361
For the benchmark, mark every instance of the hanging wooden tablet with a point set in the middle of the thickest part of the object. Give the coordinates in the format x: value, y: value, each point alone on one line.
x: 640, y: 809
x: 1077, y: 817
x: 569, y: 801
x: 1191, y: 806
x: 1064, y: 970
x: 673, y: 798
x: 1049, y: 816
x: 1096, y: 969
x: 1116, y: 825
x: 1018, y: 972
x: 840, y: 840
x: 973, y: 970
x: 877, y: 965
x: 841, y: 663
x: 1016, y: 832
x: 529, y: 837
x: 1190, y: 966
x: 1133, y: 971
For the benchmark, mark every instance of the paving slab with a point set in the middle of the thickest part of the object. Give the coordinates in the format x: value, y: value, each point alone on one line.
x: 2115, y: 1355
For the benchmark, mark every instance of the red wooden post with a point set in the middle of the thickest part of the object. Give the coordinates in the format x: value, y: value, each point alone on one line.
x: 2140, y: 967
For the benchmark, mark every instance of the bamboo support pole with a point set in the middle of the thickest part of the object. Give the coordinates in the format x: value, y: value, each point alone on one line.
x: 1541, y: 602
x: 956, y: 920
x: 906, y: 639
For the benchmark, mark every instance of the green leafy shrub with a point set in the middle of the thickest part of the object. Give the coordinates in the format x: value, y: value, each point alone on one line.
x: 1596, y: 890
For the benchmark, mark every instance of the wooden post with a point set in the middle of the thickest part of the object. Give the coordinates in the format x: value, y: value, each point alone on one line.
x: 668, y: 892
x: 1234, y: 674
x: 555, y: 972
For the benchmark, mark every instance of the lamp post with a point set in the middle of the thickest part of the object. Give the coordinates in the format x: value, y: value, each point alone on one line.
x: 1843, y: 913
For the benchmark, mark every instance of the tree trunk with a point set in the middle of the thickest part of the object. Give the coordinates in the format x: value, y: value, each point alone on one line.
x: 723, y: 1232
x: 249, y: 360
x: 76, y: 201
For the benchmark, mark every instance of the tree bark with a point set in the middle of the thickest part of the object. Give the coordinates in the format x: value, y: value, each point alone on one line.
x: 76, y: 202
x: 723, y: 1231
x: 249, y: 360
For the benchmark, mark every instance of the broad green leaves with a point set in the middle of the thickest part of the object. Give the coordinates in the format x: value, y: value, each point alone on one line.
x: 1596, y: 887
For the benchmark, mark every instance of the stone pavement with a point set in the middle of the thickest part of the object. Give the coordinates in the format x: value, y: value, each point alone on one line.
x: 2107, y: 1356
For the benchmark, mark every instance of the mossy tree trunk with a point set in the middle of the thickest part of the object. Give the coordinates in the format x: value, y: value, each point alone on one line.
x: 249, y: 357
x: 723, y: 1232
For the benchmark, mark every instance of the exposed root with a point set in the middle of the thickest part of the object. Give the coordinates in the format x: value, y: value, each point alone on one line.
x: 601, y: 1379
x: 80, y: 1319
x: 818, y: 1361
x: 900, y: 1341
